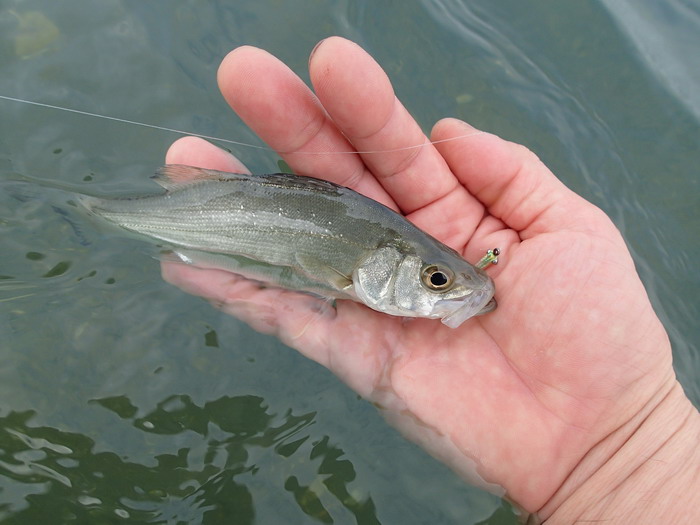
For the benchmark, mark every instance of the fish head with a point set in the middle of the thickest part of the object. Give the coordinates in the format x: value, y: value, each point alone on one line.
x: 434, y: 285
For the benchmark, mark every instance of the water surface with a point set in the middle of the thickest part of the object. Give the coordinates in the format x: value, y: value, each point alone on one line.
x: 125, y: 400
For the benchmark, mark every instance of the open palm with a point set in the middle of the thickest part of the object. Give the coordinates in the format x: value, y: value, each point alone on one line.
x: 517, y: 397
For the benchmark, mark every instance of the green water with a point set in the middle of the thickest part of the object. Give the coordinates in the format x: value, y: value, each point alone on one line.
x: 123, y: 400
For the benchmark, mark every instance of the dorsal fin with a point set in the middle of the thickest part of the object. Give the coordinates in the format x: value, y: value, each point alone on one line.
x: 174, y: 176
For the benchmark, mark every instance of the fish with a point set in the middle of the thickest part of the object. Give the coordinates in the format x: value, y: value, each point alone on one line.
x: 305, y: 234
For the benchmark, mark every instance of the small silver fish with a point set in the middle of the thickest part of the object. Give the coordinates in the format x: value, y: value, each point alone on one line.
x: 304, y: 234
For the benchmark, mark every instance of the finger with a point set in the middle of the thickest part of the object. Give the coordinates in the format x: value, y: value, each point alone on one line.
x: 513, y: 184
x: 283, y: 111
x: 267, y: 309
x: 309, y: 324
x: 359, y: 97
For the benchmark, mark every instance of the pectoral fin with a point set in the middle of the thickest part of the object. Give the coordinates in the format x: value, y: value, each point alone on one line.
x: 322, y: 272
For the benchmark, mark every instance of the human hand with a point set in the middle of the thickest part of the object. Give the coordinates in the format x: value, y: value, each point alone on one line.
x: 535, y: 397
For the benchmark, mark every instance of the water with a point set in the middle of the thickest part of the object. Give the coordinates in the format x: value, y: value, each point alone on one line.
x: 124, y: 400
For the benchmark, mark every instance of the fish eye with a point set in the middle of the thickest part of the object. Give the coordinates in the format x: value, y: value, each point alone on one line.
x: 437, y: 278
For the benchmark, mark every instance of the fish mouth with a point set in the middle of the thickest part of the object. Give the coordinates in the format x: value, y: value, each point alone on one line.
x: 488, y: 307
x: 479, y: 303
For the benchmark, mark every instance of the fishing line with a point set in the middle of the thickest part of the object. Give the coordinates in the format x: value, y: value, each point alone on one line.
x: 125, y: 121
x: 229, y: 141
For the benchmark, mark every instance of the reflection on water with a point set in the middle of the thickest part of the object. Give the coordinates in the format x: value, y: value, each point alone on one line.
x: 662, y: 33
x: 211, y: 478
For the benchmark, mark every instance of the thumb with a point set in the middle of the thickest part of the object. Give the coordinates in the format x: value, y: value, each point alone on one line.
x: 513, y: 184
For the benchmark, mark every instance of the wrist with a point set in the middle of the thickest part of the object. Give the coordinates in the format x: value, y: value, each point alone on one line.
x: 648, y: 473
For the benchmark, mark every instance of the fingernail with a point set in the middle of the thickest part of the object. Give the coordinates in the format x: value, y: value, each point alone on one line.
x: 313, y: 51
